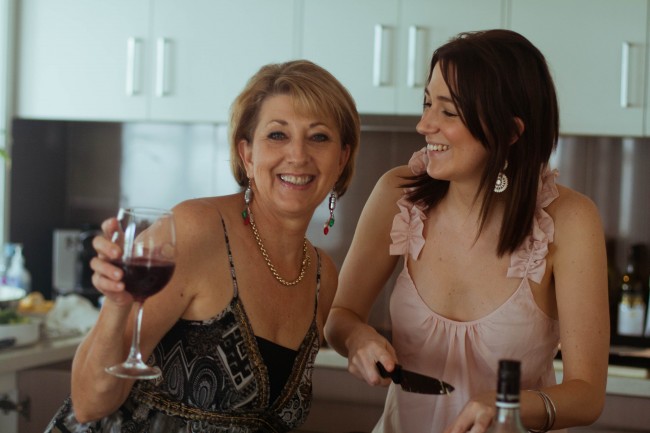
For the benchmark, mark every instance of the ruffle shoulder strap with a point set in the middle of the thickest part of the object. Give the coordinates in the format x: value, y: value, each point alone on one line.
x: 408, y: 224
x: 529, y: 260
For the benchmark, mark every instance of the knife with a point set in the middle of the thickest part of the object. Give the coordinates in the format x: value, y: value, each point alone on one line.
x: 415, y: 382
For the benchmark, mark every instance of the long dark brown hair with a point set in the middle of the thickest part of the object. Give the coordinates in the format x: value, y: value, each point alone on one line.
x: 495, y: 77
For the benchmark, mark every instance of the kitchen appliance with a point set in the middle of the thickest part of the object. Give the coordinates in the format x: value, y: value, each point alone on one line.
x: 71, y: 255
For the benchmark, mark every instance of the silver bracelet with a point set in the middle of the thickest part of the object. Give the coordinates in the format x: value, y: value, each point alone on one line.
x: 550, y: 412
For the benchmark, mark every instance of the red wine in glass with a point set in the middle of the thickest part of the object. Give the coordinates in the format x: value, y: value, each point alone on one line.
x: 148, y: 240
x: 145, y: 277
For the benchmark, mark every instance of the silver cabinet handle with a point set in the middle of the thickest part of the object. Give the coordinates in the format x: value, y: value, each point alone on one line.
x: 377, y: 78
x: 133, y: 56
x: 625, y: 66
x: 411, y: 79
x: 162, y: 80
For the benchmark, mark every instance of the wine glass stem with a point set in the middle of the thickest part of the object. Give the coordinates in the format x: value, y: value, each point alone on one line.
x: 134, y: 352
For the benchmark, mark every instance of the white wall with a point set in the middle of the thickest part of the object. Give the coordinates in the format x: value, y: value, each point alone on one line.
x: 7, y: 10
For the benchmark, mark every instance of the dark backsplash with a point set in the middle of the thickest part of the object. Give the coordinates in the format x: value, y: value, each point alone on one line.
x: 67, y: 174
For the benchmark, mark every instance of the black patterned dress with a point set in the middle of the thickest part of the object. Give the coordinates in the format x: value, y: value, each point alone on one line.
x: 214, y: 380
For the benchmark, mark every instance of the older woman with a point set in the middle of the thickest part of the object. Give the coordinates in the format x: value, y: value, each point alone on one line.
x: 237, y: 329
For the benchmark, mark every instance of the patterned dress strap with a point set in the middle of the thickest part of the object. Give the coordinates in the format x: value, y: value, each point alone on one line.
x: 232, y: 265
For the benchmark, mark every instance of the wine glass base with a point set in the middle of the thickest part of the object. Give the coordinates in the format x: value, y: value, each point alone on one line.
x: 134, y: 370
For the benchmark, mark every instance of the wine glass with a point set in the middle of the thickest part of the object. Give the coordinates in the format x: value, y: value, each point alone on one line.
x: 148, y: 240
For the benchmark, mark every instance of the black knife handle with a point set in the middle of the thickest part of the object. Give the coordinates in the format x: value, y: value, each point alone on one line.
x: 394, y: 375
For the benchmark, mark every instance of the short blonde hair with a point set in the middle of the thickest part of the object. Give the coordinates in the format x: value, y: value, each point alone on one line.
x: 313, y: 90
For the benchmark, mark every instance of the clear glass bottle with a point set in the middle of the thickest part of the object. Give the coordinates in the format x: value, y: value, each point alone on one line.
x: 508, y: 419
x: 632, y: 306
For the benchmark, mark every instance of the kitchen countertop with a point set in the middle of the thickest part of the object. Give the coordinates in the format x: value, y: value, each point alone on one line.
x: 621, y: 380
x: 44, y: 352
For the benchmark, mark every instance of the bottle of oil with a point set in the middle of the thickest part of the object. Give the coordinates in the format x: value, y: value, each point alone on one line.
x: 632, y: 306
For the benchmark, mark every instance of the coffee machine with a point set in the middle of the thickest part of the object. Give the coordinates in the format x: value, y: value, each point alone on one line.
x: 71, y: 255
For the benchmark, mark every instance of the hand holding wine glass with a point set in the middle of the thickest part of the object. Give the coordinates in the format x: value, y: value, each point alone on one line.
x: 148, y: 240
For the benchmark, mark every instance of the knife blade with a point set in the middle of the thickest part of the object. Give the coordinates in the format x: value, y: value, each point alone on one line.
x: 415, y: 382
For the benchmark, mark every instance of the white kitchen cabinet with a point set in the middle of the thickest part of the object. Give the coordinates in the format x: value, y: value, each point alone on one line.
x: 145, y: 59
x: 206, y: 50
x: 357, y: 42
x: 424, y: 26
x: 596, y: 50
x: 8, y: 391
x: 73, y: 59
x: 380, y: 49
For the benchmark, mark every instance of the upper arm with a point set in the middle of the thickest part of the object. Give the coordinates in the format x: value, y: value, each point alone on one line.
x: 368, y: 264
x: 164, y: 309
x: 328, y: 286
x: 580, y: 277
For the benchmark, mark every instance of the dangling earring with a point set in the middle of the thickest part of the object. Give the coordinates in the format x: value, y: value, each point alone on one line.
x: 332, y: 206
x: 248, y: 194
x: 502, y: 180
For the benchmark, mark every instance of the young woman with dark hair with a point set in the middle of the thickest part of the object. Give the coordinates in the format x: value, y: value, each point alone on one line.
x: 499, y: 261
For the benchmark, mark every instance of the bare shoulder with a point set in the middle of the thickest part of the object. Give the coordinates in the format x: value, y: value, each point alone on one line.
x: 196, y: 210
x: 395, y: 178
x: 389, y: 189
x: 572, y: 206
x: 574, y: 214
x: 198, y: 216
x: 199, y: 231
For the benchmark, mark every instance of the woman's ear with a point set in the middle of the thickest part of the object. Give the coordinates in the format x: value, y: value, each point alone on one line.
x: 246, y: 154
x: 345, y: 156
x: 520, y: 130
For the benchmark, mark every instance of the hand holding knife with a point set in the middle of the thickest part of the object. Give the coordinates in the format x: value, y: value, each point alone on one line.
x: 415, y: 382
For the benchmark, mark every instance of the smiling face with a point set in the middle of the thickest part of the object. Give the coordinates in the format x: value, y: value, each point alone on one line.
x: 454, y: 153
x: 294, y: 158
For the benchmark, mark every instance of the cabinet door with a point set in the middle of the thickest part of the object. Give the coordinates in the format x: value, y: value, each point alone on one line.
x: 8, y: 390
x: 82, y: 59
x: 206, y: 50
x: 596, y: 52
x: 427, y: 24
x: 355, y: 41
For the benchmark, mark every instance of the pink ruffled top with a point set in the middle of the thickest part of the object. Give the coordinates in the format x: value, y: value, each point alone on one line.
x: 466, y: 354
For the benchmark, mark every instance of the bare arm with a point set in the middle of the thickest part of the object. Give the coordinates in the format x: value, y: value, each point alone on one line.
x: 580, y: 273
x: 328, y: 287
x: 95, y: 393
x: 365, y: 270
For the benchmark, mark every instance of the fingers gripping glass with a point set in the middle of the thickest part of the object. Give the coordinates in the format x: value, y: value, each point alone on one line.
x: 148, y: 240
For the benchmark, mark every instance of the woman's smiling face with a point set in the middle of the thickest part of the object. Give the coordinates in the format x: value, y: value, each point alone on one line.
x: 454, y: 153
x: 295, y: 158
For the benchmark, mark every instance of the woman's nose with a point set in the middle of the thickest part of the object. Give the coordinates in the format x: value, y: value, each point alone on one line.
x: 297, y: 150
x: 427, y: 123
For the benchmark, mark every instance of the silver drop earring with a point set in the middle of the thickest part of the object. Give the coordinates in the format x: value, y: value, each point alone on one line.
x: 248, y: 194
x: 502, y: 180
x: 330, y: 221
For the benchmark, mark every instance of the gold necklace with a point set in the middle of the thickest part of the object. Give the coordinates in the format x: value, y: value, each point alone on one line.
x: 303, y: 266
